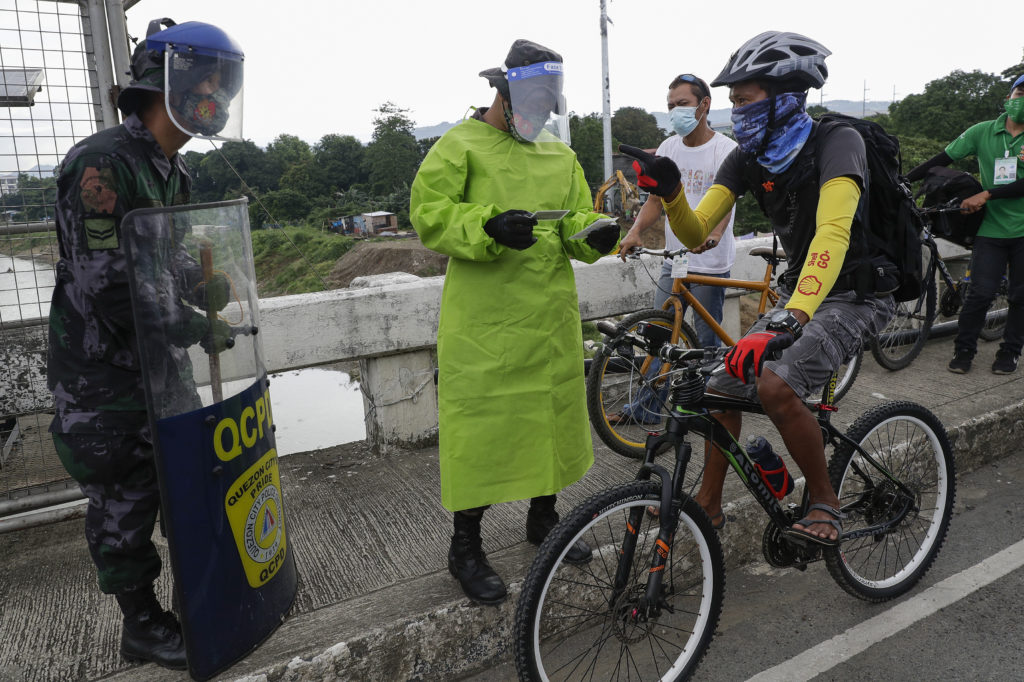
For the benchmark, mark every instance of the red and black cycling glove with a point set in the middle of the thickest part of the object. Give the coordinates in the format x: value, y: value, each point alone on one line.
x: 657, y: 174
x: 750, y: 352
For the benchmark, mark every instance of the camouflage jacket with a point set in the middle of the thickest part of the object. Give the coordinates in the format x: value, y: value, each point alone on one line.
x: 93, y: 362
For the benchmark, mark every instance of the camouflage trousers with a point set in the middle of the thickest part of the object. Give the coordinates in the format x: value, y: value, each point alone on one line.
x: 117, y: 474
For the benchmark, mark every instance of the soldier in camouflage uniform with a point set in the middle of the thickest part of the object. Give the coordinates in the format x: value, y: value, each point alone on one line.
x: 100, y: 427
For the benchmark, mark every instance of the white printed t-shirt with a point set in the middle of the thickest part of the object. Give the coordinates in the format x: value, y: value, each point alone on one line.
x: 697, y: 167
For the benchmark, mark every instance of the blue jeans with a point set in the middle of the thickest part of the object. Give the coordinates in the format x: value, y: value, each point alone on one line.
x: 712, y: 298
x: 991, y: 258
x: 646, y: 408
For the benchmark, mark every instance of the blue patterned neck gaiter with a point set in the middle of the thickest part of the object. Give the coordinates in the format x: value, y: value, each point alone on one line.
x: 784, y: 141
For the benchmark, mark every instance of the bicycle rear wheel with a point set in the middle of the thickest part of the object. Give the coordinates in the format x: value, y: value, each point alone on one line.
x: 621, y: 377
x: 847, y: 374
x: 572, y: 623
x: 910, y: 443
x: 905, y: 335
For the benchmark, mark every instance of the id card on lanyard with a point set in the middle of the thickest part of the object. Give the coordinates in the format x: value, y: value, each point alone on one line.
x: 1005, y: 170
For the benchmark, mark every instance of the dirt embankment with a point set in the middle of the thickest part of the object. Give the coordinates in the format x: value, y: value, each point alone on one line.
x: 375, y: 258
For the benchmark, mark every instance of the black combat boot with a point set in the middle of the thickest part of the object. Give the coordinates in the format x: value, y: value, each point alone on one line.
x: 468, y: 563
x: 149, y: 632
x: 541, y: 518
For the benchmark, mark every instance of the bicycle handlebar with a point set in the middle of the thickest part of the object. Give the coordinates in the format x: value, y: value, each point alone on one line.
x: 638, y: 251
x: 951, y: 206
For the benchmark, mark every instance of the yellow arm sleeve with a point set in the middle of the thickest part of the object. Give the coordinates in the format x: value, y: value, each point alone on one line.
x: 692, y: 226
x: 837, y: 203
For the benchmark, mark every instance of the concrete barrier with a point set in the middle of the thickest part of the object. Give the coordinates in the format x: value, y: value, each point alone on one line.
x: 389, y: 324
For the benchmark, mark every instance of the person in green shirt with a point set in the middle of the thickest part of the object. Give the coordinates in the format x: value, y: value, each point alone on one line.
x: 999, y: 148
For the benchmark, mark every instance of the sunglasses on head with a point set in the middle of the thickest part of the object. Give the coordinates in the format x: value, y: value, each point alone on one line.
x: 694, y: 80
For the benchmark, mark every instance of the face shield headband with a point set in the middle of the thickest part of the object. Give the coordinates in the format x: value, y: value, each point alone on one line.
x: 536, y: 102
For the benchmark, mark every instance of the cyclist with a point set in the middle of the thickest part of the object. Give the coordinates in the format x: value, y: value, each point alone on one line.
x: 999, y: 146
x: 512, y: 412
x: 809, y: 182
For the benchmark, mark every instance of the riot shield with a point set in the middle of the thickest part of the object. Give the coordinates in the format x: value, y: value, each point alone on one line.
x: 197, y: 319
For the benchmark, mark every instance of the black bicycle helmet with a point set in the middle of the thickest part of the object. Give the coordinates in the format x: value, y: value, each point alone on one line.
x: 787, y: 60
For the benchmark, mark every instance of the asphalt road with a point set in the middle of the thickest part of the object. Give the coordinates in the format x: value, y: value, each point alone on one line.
x: 962, y: 622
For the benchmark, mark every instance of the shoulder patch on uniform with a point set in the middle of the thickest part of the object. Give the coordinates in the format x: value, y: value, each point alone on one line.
x: 98, y: 189
x: 100, y: 233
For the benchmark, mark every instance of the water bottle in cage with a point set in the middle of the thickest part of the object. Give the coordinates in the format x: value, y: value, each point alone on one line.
x: 770, y: 466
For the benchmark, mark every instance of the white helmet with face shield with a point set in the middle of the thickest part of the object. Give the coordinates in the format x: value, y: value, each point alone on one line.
x: 530, y: 80
x: 202, y: 78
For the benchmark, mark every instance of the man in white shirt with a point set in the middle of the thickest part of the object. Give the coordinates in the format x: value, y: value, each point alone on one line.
x: 698, y: 151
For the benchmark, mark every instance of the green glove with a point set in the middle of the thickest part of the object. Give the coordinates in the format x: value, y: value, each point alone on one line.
x: 215, y: 294
x: 218, y: 338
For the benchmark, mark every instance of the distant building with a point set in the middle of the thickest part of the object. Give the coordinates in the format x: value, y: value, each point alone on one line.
x: 379, y: 221
x: 8, y: 184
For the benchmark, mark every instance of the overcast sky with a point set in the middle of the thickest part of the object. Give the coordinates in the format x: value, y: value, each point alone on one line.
x: 315, y: 67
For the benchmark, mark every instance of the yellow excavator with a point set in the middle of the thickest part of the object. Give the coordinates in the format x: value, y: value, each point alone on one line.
x: 629, y: 197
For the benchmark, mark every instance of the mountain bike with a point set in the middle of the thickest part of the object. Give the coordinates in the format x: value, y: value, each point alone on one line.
x: 647, y: 604
x: 904, y: 337
x: 616, y: 379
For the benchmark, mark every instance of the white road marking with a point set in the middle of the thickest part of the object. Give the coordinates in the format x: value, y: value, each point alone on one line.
x: 831, y: 653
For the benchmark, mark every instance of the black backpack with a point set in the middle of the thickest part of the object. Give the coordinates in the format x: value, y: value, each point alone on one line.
x: 892, y: 225
x: 942, y: 185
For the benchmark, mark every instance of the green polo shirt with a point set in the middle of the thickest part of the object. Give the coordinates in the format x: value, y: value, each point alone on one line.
x: 989, y: 140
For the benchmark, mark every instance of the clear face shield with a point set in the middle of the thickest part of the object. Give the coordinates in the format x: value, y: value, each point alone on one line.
x: 536, y: 102
x: 203, y: 92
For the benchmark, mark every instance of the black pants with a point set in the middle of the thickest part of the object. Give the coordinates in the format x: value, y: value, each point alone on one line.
x: 988, y: 264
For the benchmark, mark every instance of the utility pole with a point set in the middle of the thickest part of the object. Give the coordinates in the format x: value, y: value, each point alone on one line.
x: 607, y: 106
x: 864, y: 101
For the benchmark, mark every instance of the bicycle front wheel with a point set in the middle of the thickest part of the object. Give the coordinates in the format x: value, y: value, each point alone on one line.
x: 905, y: 335
x: 584, y: 622
x: 911, y: 446
x: 626, y: 388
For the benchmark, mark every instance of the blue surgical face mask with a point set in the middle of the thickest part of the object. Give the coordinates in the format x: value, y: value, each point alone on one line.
x: 683, y: 120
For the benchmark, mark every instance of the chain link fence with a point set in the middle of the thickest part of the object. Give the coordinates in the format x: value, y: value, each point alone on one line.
x: 49, y: 100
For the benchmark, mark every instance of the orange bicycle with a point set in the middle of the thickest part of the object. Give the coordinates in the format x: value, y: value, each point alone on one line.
x: 620, y: 384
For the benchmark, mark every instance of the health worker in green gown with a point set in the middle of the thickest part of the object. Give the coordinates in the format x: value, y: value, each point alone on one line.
x: 513, y: 420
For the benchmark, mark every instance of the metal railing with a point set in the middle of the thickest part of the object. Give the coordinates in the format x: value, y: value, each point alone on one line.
x: 56, y: 79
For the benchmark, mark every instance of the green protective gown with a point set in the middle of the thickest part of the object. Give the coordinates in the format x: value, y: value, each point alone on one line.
x: 512, y: 406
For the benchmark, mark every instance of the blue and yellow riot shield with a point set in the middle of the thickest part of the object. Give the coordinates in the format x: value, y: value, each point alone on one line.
x: 197, y: 318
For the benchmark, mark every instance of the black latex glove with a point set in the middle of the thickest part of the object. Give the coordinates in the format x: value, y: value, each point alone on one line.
x: 605, y: 238
x: 512, y: 228
x: 657, y: 174
x: 217, y: 338
x: 215, y: 294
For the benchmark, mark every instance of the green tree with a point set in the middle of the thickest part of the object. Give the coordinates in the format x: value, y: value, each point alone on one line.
x: 286, y: 205
x: 219, y: 168
x: 33, y: 200
x: 393, y: 156
x: 637, y: 127
x: 286, y: 151
x: 339, y: 159
x: 949, y: 105
x: 587, y: 136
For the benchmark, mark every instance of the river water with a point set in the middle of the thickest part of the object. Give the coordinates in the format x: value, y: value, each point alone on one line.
x: 313, y: 408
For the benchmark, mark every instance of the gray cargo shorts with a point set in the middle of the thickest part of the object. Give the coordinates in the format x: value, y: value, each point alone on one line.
x: 837, y: 331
